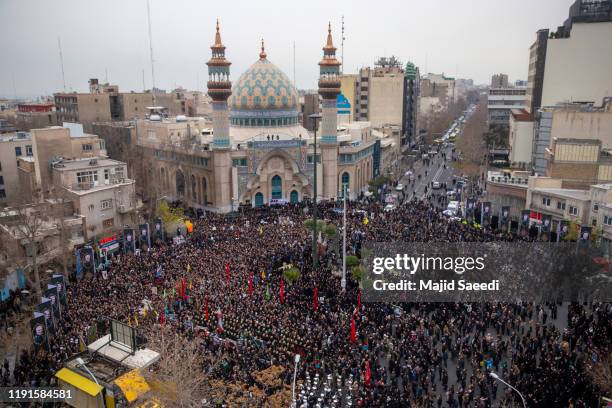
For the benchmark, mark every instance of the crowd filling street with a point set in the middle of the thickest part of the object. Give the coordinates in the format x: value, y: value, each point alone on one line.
x: 223, y: 288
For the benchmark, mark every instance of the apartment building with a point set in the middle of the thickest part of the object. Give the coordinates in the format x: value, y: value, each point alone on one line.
x: 501, y: 101
x: 12, y: 147
x: 35, y: 115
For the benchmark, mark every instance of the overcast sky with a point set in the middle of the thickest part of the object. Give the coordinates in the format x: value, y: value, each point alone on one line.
x: 464, y: 38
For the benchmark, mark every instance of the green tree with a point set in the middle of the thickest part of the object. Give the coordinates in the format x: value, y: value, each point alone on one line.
x: 358, y: 272
x: 171, y: 217
x: 329, y: 230
x: 351, y: 261
x: 291, y: 274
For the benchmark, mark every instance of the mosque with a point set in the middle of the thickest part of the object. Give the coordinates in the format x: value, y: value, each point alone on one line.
x: 257, y: 152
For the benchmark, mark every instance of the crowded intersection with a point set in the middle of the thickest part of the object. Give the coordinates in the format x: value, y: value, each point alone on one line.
x: 223, y: 289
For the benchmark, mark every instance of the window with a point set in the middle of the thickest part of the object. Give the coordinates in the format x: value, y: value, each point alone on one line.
x: 594, y: 222
x: 1, y: 180
x: 573, y: 210
x: 106, y: 174
x: 87, y: 147
x: 18, y: 151
x: 595, y: 207
x: 91, y: 207
x: 0, y: 166
x: 86, y: 176
x: 239, y: 162
x: 560, y: 205
x: 106, y: 204
x: 311, y: 156
x: 29, y: 151
x: 546, y: 201
x: 119, y: 172
x: 607, y: 220
x: 2, y: 193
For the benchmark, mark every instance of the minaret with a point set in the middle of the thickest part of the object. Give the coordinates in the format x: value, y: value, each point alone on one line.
x: 220, y: 89
x: 329, y: 88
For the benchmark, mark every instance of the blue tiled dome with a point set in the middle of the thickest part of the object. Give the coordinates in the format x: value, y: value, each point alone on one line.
x: 263, y: 96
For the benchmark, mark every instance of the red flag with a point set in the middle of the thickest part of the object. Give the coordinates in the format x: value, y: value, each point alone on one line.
x: 250, y: 284
x: 282, y: 291
x: 315, y: 299
x: 162, y: 318
x: 183, y: 285
x: 228, y: 275
x: 206, y: 309
x: 368, y: 373
x: 353, y: 329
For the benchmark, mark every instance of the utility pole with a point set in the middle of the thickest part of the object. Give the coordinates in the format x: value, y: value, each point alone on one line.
x: 315, y: 252
x: 59, y: 45
x: 151, y: 53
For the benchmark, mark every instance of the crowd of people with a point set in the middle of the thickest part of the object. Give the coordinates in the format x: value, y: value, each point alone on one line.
x: 225, y: 283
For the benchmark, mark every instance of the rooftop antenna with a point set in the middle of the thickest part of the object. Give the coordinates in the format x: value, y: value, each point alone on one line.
x: 151, y: 52
x: 14, y: 87
x: 59, y: 46
x: 342, y: 46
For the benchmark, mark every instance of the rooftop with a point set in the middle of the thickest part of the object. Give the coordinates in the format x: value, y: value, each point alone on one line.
x: 86, y: 163
x: 564, y: 193
x: 521, y: 115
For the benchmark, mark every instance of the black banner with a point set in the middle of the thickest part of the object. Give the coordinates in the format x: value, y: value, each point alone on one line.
x: 51, y: 293
x: 88, y: 260
x: 504, y: 218
x: 46, y: 308
x: 158, y: 232
x: 144, y: 237
x: 39, y: 330
x: 58, y: 280
x: 469, y: 211
x: 129, y: 245
x: 546, y: 227
x: 585, y: 234
x: 486, y: 214
x: 525, y: 222
x: 563, y: 230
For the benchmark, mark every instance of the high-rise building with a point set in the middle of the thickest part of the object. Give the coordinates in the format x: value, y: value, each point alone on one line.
x: 535, y: 76
x: 501, y: 101
x: 410, y: 109
x: 380, y: 93
x: 499, y: 81
x: 578, y: 56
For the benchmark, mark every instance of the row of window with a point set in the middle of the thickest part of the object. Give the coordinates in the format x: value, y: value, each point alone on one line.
x: 607, y: 220
x: 90, y: 176
x: 264, y: 122
x: 239, y: 162
x: 195, y: 160
x: 19, y: 152
x: 560, y: 206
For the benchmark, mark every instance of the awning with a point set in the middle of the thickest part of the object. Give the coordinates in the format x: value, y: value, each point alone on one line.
x: 79, y: 381
x: 133, y: 385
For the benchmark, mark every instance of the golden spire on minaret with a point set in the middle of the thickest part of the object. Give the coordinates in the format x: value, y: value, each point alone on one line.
x: 330, y: 42
x: 218, y: 37
x: 262, y: 54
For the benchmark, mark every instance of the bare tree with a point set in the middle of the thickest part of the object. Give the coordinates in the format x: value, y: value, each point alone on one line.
x: 30, y: 221
x: 177, y: 379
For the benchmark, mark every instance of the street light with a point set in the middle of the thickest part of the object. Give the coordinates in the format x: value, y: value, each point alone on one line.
x: 315, y: 253
x: 81, y: 363
x: 345, y: 191
x: 297, y: 360
x: 495, y: 376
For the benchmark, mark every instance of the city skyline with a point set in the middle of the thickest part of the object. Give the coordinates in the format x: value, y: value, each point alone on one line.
x: 113, y: 43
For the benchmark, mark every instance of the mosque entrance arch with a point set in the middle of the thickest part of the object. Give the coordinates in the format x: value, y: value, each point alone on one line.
x: 180, y: 183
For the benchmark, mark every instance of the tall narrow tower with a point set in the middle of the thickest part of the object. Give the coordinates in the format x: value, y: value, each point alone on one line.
x: 220, y: 89
x: 329, y: 88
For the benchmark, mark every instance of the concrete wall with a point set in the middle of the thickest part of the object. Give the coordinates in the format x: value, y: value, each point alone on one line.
x: 27, y: 121
x: 134, y: 105
x: 93, y: 108
x: 578, y: 68
x: 386, y: 95
x: 9, y: 171
x: 574, y: 124
x: 521, y: 141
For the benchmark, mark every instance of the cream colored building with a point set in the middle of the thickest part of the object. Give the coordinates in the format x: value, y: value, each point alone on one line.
x: 379, y: 94
x: 578, y: 67
x: 521, y: 138
x: 12, y: 147
x: 100, y: 191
